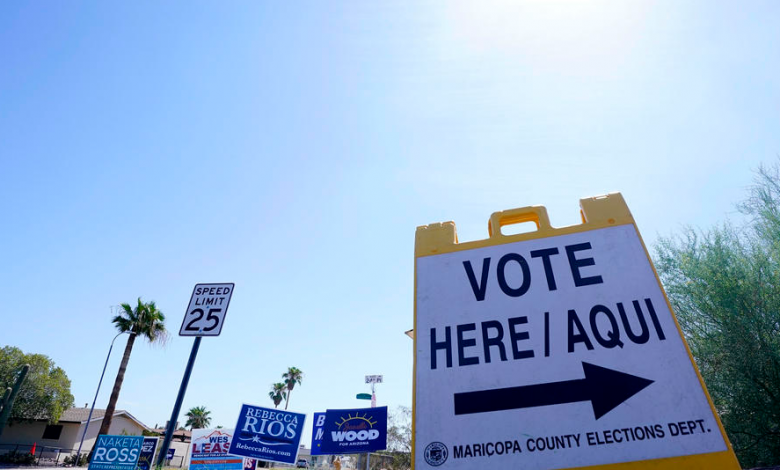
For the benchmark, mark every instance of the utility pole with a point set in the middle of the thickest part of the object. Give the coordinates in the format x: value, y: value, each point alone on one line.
x: 373, y: 380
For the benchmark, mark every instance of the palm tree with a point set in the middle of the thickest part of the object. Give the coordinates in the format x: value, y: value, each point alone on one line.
x: 291, y: 377
x: 278, y: 393
x: 145, y: 321
x: 198, y: 418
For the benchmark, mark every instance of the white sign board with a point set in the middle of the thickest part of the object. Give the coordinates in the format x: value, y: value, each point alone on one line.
x: 207, y: 309
x: 209, y: 450
x: 374, y: 379
x: 553, y: 352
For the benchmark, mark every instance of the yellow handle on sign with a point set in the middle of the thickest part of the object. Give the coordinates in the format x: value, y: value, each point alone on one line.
x: 535, y: 214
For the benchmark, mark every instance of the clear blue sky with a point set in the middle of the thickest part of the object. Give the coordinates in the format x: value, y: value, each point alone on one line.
x: 293, y: 147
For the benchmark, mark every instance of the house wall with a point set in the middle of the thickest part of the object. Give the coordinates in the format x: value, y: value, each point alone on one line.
x: 28, y: 434
x: 119, y: 425
x: 182, y: 449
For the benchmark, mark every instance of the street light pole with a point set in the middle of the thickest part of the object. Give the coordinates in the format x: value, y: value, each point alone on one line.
x: 100, y: 382
x: 373, y: 380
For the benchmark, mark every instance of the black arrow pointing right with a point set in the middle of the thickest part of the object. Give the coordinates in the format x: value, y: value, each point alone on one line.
x: 604, y: 388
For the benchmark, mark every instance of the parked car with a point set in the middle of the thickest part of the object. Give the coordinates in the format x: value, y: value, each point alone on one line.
x: 302, y: 463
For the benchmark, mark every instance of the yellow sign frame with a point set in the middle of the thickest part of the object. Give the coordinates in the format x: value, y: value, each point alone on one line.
x: 597, y: 212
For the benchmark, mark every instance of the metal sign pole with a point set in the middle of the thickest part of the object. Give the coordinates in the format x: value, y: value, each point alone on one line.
x: 177, y: 407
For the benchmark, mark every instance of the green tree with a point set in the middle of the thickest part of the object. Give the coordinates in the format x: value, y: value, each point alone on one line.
x: 278, y: 393
x: 45, y: 393
x: 724, y: 284
x: 198, y: 418
x: 399, y: 437
x: 292, y: 377
x: 146, y: 321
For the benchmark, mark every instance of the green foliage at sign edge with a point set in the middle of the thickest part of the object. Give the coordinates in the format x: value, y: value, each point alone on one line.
x: 724, y: 285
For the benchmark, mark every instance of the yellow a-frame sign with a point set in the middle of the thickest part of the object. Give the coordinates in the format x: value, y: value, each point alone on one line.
x: 554, y: 349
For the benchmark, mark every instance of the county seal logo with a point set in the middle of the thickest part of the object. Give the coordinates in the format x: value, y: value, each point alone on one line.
x: 435, y: 454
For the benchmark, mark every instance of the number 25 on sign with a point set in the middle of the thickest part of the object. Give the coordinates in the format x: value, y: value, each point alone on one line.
x: 555, y: 348
x: 207, y: 309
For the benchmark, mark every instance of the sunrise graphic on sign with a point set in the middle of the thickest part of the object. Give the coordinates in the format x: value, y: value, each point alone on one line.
x: 355, y: 423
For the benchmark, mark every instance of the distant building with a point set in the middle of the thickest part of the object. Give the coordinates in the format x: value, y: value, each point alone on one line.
x: 181, y: 435
x: 55, y: 441
x: 180, y: 445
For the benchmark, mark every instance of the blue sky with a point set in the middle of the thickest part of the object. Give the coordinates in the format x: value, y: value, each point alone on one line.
x: 293, y: 147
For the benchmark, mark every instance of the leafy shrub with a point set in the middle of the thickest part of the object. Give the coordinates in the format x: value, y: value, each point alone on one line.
x: 17, y: 458
x: 71, y: 459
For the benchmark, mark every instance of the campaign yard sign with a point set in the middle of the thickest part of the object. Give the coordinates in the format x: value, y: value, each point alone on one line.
x: 116, y: 452
x: 355, y: 431
x: 554, y: 349
x: 209, y: 450
x: 267, y: 434
x: 147, y: 453
x: 250, y: 464
x: 317, y: 432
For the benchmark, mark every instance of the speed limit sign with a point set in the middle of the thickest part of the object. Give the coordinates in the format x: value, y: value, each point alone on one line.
x: 207, y: 310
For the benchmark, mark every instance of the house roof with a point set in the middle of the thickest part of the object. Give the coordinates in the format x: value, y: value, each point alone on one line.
x: 179, y: 433
x: 80, y: 415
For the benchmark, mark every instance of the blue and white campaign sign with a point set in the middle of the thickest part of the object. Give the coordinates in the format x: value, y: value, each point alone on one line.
x: 267, y: 434
x: 116, y: 452
x: 147, y: 453
x: 170, y: 454
x: 317, y: 432
x: 355, y: 431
